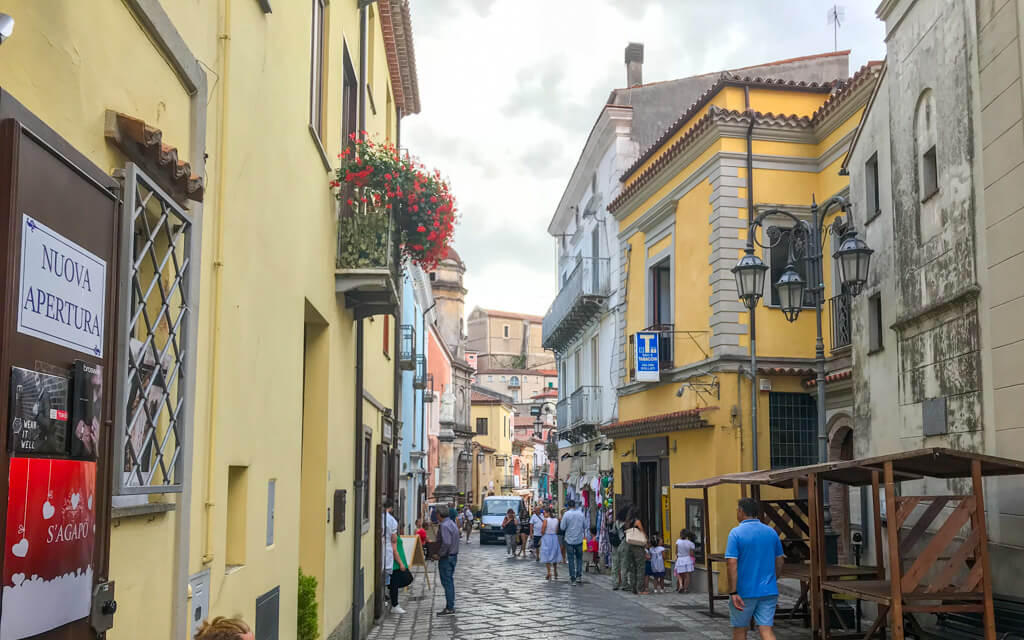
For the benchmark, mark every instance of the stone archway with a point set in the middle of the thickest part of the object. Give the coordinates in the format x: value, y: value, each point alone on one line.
x: 840, y: 447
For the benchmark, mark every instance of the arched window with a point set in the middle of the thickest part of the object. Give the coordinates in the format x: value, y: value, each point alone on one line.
x: 926, y: 156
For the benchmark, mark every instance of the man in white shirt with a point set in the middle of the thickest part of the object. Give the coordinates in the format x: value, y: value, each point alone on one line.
x: 536, y: 524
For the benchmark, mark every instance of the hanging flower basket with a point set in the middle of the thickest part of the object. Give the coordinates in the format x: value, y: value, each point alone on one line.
x: 387, y: 184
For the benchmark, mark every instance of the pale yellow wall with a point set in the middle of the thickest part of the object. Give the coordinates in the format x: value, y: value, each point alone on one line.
x: 68, y: 63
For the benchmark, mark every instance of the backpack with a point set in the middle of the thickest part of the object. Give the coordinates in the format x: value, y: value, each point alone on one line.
x: 614, y: 535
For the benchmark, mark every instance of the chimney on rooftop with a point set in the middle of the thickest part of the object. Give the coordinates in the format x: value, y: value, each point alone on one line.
x: 634, y: 64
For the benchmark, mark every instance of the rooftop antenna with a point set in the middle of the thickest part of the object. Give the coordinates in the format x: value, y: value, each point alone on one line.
x: 836, y: 15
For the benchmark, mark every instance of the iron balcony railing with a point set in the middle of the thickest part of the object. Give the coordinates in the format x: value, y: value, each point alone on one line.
x: 366, y: 241
x: 406, y: 347
x: 580, y: 298
x: 562, y: 413
x: 419, y: 378
x: 839, y: 309
x: 585, y: 406
x: 428, y: 388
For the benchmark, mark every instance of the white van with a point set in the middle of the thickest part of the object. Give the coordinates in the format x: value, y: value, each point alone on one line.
x: 493, y: 512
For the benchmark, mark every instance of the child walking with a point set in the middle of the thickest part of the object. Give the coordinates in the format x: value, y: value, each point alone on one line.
x: 657, y: 563
x: 685, y: 548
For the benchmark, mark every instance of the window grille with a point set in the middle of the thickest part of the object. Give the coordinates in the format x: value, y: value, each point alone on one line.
x: 793, y: 422
x: 155, y: 279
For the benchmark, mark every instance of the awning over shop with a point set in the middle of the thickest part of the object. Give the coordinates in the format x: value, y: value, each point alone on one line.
x: 662, y: 423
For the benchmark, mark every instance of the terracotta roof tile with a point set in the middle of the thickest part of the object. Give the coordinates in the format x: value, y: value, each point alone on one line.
x: 726, y: 78
x: 714, y: 114
x: 689, y: 419
x: 144, y: 145
x: 845, y: 374
x: 396, y: 25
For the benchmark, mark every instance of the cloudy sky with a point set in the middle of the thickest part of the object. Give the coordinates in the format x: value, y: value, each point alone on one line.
x: 511, y: 88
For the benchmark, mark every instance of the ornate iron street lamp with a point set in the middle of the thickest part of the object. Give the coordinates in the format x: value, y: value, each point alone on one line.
x: 806, y: 239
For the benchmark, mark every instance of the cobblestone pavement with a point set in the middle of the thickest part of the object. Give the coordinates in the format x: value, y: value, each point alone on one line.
x: 506, y: 599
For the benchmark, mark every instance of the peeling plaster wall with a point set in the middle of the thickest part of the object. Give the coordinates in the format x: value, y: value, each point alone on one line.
x: 934, y: 250
x: 951, y: 310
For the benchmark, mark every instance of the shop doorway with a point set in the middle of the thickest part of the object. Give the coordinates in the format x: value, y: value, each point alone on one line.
x: 649, y: 495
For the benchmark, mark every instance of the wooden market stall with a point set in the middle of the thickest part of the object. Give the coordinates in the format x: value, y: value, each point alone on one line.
x: 938, y: 559
x: 788, y: 516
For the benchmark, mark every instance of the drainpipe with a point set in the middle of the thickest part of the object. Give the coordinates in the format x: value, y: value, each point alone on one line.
x: 753, y: 312
x: 218, y: 269
x: 358, y: 599
x: 357, y: 487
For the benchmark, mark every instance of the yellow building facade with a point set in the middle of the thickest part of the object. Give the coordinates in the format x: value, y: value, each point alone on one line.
x: 683, y: 224
x: 493, y: 419
x: 283, y: 458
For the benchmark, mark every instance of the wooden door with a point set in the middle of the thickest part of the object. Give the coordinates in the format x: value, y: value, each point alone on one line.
x: 60, y: 222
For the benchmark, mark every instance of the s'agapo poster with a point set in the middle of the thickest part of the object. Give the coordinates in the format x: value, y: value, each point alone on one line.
x: 51, y: 532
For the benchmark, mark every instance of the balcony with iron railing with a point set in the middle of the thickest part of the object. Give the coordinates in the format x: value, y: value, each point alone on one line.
x: 419, y: 378
x: 676, y: 348
x: 839, y: 311
x: 406, y: 347
x: 562, y: 414
x: 579, y: 300
x: 428, y: 389
x: 585, y: 407
x: 367, y: 264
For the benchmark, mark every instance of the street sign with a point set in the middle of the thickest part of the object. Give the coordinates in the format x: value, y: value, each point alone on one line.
x: 648, y: 368
x: 63, y: 290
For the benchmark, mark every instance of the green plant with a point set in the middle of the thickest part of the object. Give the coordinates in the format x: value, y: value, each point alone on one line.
x: 308, y: 619
x: 377, y: 177
x: 363, y: 240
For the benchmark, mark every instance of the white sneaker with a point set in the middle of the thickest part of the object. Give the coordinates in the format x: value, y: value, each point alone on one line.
x: 398, y: 610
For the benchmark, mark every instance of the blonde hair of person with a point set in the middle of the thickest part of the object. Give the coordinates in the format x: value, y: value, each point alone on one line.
x: 222, y: 628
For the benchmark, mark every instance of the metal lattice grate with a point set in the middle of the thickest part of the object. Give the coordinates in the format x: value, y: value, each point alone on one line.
x: 792, y: 419
x: 155, y: 277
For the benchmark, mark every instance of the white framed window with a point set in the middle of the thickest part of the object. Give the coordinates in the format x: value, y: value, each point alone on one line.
x: 318, y: 39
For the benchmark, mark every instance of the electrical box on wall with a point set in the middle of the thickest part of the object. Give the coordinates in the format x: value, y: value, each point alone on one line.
x: 764, y: 384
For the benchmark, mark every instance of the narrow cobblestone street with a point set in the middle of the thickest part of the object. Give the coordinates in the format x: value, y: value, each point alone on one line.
x: 497, y: 597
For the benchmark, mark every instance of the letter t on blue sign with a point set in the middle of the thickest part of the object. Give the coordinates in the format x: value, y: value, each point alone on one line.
x: 647, y: 362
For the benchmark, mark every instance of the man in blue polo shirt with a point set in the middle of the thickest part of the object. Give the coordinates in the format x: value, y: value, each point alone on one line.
x: 754, y: 556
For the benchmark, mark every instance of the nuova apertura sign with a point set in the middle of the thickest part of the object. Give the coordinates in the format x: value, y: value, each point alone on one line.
x: 62, y: 290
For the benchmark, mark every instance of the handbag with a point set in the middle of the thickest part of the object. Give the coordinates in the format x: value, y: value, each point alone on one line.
x: 636, y: 537
x: 401, y: 578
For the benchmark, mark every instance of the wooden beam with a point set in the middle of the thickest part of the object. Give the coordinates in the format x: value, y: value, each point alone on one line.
x: 989, y: 617
x: 895, y: 567
x: 707, y: 556
x: 814, y: 592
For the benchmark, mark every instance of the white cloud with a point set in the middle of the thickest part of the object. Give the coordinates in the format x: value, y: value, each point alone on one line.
x: 511, y: 88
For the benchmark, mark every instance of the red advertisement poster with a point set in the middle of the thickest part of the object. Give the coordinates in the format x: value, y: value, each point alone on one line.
x: 51, y: 529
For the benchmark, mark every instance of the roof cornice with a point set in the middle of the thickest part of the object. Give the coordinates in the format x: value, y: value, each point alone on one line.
x: 396, y: 25
x: 601, y: 135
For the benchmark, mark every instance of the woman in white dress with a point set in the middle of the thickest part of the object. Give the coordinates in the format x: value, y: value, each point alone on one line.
x: 684, y: 560
x: 550, y: 550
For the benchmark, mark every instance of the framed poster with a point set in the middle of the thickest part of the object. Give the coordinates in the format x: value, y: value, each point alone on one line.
x: 695, y: 523
x: 86, y: 409
x: 51, y: 531
x: 39, y: 412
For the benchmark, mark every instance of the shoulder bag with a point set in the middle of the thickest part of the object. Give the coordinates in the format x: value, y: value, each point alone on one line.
x: 636, y: 537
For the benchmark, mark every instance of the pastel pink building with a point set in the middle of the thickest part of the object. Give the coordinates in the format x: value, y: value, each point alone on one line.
x: 439, y: 369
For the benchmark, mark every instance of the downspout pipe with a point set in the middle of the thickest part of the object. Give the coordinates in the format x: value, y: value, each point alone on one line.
x: 218, y: 270
x: 358, y: 599
x: 753, y: 312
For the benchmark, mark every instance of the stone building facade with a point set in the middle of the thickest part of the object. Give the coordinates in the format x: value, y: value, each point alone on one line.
x: 937, y: 331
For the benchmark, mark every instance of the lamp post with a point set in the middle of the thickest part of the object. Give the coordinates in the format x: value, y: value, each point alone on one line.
x: 805, y: 243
